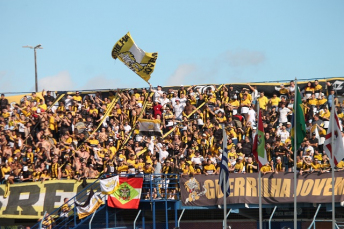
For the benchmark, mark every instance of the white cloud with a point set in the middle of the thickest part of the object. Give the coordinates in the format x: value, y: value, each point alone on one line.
x: 243, y: 58
x: 102, y: 82
x: 181, y: 75
x: 62, y: 81
x: 235, y: 63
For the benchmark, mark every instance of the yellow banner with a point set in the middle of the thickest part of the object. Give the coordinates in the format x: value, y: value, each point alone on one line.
x: 139, y: 61
x: 31, y: 200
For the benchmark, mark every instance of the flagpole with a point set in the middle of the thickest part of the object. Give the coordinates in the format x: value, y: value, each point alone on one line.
x: 259, y: 177
x: 224, y: 203
x: 295, y: 152
x: 224, y: 181
x: 333, y: 165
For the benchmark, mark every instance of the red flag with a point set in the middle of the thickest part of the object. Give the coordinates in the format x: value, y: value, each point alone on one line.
x: 259, y: 151
x: 127, y: 194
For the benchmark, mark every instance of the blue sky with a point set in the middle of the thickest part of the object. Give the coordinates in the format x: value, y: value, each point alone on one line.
x: 198, y: 42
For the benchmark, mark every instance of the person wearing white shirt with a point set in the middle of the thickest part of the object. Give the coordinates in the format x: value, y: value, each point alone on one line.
x: 183, y: 100
x: 251, y: 115
x: 178, y: 110
x: 157, y: 93
x: 163, y: 154
x: 309, y: 148
x: 127, y: 127
x: 150, y: 144
x: 283, y: 113
x: 197, y: 159
x: 291, y: 88
x: 163, y: 100
x: 283, y: 134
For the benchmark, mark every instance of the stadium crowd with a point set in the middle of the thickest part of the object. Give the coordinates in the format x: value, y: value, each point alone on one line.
x: 42, y: 141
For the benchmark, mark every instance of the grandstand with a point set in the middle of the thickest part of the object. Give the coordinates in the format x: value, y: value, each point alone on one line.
x: 57, y: 145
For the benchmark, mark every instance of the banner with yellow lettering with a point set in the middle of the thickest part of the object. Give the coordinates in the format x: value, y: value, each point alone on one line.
x: 202, y: 190
x: 139, y: 61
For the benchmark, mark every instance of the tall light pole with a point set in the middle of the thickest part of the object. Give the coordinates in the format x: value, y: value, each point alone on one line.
x: 34, y: 49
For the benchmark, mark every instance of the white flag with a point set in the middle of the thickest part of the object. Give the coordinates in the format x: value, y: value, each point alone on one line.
x: 109, y: 185
x: 335, y: 151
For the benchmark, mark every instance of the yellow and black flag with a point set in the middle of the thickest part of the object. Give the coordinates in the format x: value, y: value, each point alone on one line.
x: 139, y: 61
x: 92, y: 203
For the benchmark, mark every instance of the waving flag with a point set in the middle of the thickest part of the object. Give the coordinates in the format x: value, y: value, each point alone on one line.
x: 139, y: 61
x: 92, y: 203
x: 335, y: 151
x: 109, y: 185
x: 127, y: 194
x: 150, y: 127
x: 300, y: 128
x: 224, y: 172
x: 259, y: 143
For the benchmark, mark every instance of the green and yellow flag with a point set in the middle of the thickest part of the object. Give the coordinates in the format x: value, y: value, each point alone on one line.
x: 139, y: 61
x: 300, y: 129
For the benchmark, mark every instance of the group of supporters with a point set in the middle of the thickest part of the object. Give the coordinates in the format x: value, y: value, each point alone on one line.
x: 85, y: 135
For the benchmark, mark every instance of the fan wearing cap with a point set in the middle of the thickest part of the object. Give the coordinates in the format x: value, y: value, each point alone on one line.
x: 279, y: 165
x: 157, y: 109
x: 283, y: 90
x: 181, y: 91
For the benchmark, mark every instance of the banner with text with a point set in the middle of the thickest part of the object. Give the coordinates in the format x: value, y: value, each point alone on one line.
x: 31, y: 200
x: 202, y: 190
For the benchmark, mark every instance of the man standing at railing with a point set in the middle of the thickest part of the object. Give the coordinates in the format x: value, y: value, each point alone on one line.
x: 157, y: 177
x: 64, y: 213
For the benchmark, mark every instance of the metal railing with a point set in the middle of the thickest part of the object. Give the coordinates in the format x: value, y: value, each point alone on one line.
x: 156, y: 187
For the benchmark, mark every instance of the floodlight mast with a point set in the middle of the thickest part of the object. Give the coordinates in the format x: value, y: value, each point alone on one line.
x: 39, y: 46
